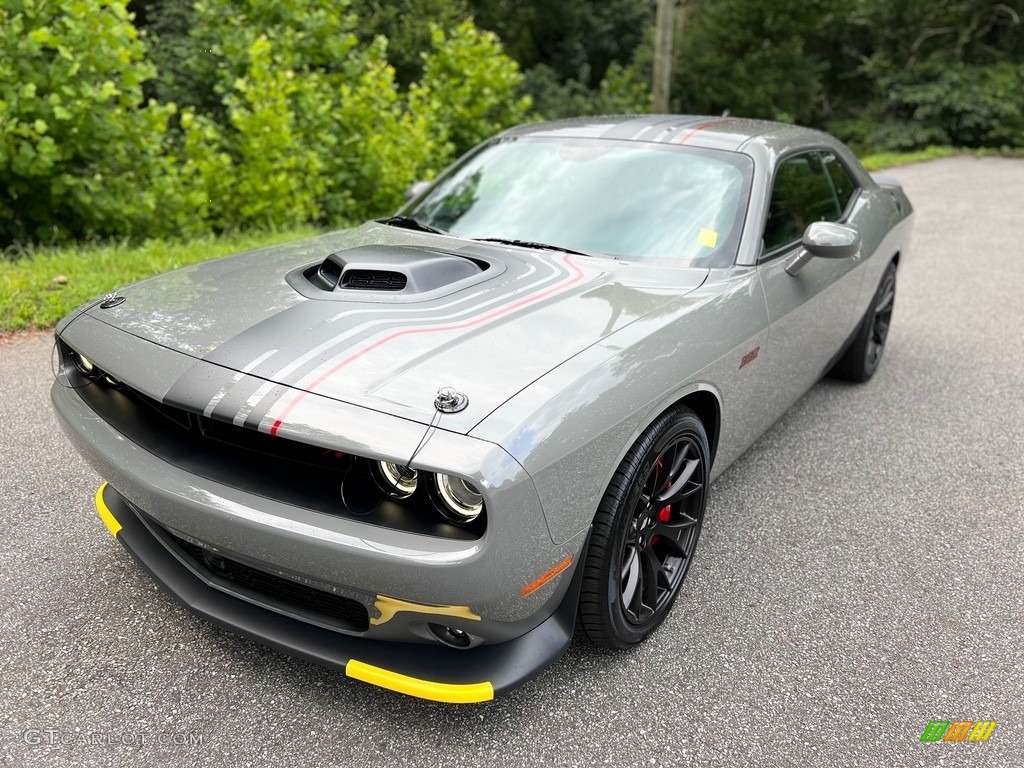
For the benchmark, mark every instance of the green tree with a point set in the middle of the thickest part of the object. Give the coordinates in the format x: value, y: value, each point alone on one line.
x: 881, y: 74
x: 624, y: 90
x: 577, y: 39
x: 577, y: 56
x: 753, y: 59
x: 406, y: 24
x: 468, y: 88
x: 80, y: 153
x: 312, y: 125
x: 915, y: 72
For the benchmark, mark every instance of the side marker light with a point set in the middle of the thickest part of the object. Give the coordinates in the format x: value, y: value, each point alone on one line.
x: 547, y: 576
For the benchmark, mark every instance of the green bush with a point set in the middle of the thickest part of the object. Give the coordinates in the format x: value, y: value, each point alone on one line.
x: 80, y: 154
x: 622, y: 91
x: 274, y: 114
x: 276, y: 176
x: 311, y: 126
x: 950, y: 104
x: 468, y: 88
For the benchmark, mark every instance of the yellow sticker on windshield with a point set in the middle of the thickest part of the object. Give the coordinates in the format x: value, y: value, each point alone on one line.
x: 707, y: 237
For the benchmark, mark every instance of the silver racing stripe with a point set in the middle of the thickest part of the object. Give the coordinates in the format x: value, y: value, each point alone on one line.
x: 212, y: 405
x: 431, y: 316
x: 275, y: 415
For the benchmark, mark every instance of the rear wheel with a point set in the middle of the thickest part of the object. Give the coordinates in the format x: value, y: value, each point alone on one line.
x: 861, y: 360
x: 645, y: 532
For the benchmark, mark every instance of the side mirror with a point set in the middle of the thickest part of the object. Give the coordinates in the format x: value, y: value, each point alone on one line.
x: 825, y: 240
x: 416, y: 189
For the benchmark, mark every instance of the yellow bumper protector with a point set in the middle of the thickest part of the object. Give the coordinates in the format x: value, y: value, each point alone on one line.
x: 448, y: 693
x: 389, y: 606
x: 105, y: 514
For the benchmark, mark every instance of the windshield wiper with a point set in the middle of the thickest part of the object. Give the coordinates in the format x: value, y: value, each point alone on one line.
x: 530, y: 244
x: 408, y: 222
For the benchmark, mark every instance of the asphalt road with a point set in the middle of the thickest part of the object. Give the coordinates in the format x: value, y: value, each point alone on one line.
x: 861, y: 573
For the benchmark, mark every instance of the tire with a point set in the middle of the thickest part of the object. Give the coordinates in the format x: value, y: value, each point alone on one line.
x: 861, y: 360
x: 645, y: 532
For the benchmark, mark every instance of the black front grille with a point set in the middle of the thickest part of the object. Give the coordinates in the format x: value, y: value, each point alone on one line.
x: 282, y: 593
x: 295, y: 473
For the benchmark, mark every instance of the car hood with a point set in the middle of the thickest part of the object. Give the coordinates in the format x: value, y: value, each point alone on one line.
x: 257, y: 320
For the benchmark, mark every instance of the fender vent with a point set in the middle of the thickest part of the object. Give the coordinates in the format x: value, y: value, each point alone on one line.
x: 373, y: 280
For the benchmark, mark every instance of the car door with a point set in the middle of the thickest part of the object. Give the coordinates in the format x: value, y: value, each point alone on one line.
x: 813, y: 312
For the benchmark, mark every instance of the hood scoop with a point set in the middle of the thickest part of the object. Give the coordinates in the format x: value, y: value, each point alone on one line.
x: 391, y: 273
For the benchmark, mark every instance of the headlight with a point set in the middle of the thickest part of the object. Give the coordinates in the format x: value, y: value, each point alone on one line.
x: 397, y: 482
x: 83, y: 364
x: 458, y: 500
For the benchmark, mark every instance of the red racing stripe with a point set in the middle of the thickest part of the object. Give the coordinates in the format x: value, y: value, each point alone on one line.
x: 428, y: 329
x: 703, y: 127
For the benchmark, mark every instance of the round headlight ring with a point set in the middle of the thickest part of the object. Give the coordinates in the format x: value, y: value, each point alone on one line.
x: 459, y: 501
x: 83, y: 363
x: 396, y: 481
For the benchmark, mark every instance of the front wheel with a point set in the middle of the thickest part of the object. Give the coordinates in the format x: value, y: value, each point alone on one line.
x: 645, y: 532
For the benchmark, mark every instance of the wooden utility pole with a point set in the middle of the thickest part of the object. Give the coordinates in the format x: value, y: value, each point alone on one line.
x: 665, y: 26
x: 664, y: 30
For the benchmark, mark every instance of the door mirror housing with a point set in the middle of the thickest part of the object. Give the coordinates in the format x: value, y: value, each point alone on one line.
x: 825, y: 240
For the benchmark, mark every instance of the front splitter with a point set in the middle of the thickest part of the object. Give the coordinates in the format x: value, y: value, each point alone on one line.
x: 422, y: 670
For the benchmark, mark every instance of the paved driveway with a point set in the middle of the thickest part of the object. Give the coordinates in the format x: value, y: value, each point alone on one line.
x: 861, y: 573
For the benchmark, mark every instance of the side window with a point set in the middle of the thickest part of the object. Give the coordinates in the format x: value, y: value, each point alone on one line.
x: 802, y: 194
x: 841, y: 180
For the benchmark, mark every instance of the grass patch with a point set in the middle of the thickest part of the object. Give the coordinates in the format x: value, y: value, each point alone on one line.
x: 39, y: 288
x: 880, y: 160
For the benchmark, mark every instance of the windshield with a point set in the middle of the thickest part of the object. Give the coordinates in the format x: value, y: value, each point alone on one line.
x: 632, y: 200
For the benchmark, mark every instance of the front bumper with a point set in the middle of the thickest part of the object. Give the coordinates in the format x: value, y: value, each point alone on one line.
x: 425, y: 671
x: 487, y: 579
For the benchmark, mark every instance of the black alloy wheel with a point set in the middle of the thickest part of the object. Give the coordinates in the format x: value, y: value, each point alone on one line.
x: 645, y: 532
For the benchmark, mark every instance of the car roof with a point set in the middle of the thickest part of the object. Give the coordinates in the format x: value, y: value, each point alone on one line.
x: 721, y: 132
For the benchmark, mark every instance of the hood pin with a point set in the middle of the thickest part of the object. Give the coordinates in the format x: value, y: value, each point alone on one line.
x: 111, y: 300
x: 449, y: 400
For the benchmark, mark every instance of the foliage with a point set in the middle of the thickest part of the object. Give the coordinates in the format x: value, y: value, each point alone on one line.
x: 576, y: 39
x: 467, y: 88
x: 622, y: 91
x: 275, y: 175
x: 948, y: 104
x: 880, y: 74
x: 207, y: 116
x: 406, y: 25
x: 314, y: 127
x: 380, y: 146
x: 75, y: 137
x: 165, y: 25
x: 739, y: 56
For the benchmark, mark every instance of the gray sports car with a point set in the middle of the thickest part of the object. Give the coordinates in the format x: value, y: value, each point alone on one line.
x: 425, y: 450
